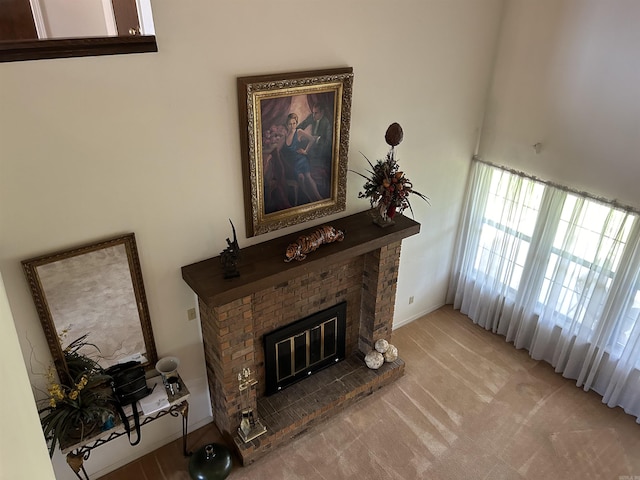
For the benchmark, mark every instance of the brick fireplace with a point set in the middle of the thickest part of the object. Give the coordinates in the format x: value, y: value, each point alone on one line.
x: 236, y: 314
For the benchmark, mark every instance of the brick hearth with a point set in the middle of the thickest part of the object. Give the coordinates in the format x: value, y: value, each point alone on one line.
x: 235, y: 314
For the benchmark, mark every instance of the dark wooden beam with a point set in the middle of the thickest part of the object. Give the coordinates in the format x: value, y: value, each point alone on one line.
x: 13, y: 51
x: 263, y: 265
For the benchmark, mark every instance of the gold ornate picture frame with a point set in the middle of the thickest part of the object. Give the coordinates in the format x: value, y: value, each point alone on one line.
x: 294, y: 133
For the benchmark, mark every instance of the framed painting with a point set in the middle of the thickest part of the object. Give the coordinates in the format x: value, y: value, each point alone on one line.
x: 294, y: 131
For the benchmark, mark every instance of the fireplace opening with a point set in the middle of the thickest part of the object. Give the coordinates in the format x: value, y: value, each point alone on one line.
x: 297, y: 350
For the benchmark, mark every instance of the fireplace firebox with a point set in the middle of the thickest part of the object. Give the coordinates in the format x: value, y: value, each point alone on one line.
x: 300, y: 349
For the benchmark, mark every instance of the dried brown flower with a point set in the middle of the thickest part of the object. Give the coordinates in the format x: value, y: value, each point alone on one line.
x: 394, y: 134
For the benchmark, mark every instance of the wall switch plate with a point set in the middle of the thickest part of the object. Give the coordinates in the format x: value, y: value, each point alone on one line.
x: 191, y: 314
x: 410, y: 299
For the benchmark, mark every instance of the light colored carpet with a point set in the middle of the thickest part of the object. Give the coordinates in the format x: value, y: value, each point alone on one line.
x: 470, y: 406
x: 601, y: 454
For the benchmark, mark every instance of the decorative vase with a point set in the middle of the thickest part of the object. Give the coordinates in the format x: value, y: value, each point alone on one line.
x: 211, y: 462
x: 381, y: 218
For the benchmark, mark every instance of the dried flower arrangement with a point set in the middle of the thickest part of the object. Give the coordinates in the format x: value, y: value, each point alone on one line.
x: 386, y: 186
x: 79, y: 405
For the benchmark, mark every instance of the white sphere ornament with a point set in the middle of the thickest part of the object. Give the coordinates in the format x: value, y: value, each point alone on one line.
x: 374, y: 360
x: 391, y: 355
x: 382, y: 345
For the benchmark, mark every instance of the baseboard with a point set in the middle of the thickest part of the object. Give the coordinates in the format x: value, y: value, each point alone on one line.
x: 406, y: 321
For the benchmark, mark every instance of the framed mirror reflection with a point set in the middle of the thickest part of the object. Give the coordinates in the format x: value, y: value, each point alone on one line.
x: 95, y: 290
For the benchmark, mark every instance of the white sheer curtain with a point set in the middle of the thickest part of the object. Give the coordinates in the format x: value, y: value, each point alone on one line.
x: 556, y: 272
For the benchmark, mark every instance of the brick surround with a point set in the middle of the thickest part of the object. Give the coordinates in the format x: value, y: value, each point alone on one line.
x: 233, y: 330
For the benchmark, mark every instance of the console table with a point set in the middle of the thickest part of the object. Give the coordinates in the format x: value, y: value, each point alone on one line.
x: 79, y: 452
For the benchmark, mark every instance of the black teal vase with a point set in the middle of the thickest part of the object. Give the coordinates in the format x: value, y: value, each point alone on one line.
x: 211, y: 462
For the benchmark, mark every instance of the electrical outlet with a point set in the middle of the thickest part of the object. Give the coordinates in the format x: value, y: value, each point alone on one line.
x: 410, y: 299
x: 191, y: 314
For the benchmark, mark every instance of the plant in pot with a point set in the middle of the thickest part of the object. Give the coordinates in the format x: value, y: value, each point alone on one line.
x: 77, y: 406
x: 386, y: 186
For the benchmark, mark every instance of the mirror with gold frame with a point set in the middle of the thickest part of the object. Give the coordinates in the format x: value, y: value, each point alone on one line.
x: 95, y: 290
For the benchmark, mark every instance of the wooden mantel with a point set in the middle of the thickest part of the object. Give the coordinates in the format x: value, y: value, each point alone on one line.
x: 262, y: 265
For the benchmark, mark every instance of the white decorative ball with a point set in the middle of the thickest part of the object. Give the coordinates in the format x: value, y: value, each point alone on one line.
x: 374, y: 360
x: 382, y: 345
x: 391, y: 354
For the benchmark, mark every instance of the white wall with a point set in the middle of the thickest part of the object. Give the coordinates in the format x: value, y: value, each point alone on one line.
x: 93, y: 147
x: 567, y: 76
x: 20, y: 433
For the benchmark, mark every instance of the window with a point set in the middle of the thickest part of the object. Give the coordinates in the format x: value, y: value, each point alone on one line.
x: 507, y: 228
x: 556, y: 272
x: 555, y: 250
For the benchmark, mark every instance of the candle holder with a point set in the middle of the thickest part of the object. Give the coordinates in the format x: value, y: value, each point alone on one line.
x: 250, y: 425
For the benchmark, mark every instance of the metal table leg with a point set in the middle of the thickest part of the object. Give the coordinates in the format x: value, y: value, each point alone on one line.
x: 184, y: 411
x: 76, y: 462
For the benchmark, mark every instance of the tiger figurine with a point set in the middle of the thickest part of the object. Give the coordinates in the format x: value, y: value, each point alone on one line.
x: 308, y: 243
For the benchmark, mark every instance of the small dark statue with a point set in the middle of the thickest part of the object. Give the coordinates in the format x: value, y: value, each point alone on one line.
x: 230, y: 256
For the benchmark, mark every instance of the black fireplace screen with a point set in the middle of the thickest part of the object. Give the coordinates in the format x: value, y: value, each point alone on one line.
x: 301, y: 348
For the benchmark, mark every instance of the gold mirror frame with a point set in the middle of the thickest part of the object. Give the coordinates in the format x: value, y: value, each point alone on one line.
x: 35, y: 272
